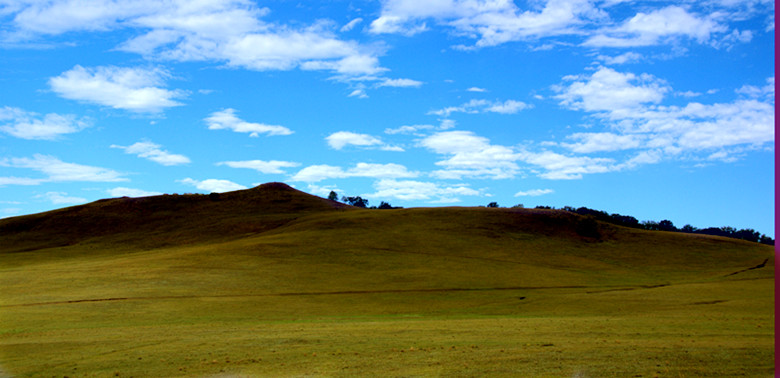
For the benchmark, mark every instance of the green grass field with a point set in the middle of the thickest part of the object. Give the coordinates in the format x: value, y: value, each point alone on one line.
x: 273, y: 282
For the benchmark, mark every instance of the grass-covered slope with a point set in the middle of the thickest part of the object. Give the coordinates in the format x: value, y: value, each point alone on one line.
x: 163, y: 220
x: 272, y: 281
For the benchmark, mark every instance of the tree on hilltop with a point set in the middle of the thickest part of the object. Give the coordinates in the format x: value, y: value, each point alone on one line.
x: 355, y: 201
x: 333, y: 196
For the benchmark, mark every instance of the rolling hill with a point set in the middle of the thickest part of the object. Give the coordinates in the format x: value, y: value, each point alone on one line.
x: 178, y: 284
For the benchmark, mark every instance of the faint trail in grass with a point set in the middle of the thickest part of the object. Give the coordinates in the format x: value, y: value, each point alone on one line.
x: 314, y: 293
x: 759, y: 266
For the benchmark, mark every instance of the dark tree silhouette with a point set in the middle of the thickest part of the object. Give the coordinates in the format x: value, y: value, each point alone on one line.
x: 333, y: 196
x: 355, y: 201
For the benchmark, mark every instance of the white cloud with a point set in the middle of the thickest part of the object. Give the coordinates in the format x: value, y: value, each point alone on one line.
x: 562, y: 167
x: 359, y: 93
x: 507, y: 107
x: 134, y: 89
x: 153, y: 152
x: 657, y: 27
x: 476, y: 89
x: 629, y: 57
x: 600, y: 142
x: 315, y: 173
x: 766, y: 91
x: 58, y: 171
x: 229, y: 31
x: 267, y: 167
x: 400, y: 83
x: 409, y: 190
x: 628, y: 104
x: 483, y: 106
x: 130, y: 192
x: 4, y: 181
x: 493, y: 22
x: 227, y: 119
x: 351, y: 25
x: 341, y: 139
x: 28, y: 125
x: 213, y: 185
x: 534, y: 192
x: 322, y: 191
x: 471, y: 156
x: 609, y: 90
x: 62, y: 198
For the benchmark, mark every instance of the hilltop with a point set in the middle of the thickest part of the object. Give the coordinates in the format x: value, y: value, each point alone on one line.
x: 273, y: 281
x: 164, y: 219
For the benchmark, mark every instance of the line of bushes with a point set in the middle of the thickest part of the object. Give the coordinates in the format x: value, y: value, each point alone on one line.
x: 667, y: 225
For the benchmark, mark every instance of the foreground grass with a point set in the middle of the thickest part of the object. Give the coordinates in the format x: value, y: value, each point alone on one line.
x: 418, y: 292
x: 706, y: 329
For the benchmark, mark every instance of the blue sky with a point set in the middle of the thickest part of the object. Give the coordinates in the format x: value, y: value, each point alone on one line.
x: 660, y: 110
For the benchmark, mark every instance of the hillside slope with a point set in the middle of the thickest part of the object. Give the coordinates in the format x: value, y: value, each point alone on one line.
x: 271, y: 281
x: 163, y: 220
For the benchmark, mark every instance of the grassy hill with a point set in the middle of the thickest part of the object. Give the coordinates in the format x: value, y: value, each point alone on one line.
x: 273, y: 281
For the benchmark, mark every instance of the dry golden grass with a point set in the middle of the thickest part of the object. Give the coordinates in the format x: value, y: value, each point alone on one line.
x: 272, y: 282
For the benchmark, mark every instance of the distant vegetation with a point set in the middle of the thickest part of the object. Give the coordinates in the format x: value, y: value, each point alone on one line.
x: 748, y: 234
x: 360, y: 202
x: 667, y: 225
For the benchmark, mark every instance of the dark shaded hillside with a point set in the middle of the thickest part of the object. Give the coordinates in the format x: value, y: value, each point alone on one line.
x: 163, y: 220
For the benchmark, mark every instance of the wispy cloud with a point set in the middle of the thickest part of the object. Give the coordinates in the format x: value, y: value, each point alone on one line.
x: 130, y: 192
x: 134, y: 89
x: 227, y: 119
x: 154, y: 152
x: 410, y: 190
x: 341, y: 139
x: 28, y: 125
x: 315, y: 173
x: 62, y: 198
x: 470, y: 155
x: 533, y: 192
x: 268, y: 167
x: 57, y: 170
x: 213, y: 185
x: 484, y: 106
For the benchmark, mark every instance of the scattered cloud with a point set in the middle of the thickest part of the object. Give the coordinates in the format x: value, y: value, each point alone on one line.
x: 154, y: 152
x: 610, y: 91
x: 351, y: 25
x: 267, y: 167
x: 62, y: 198
x: 57, y: 170
x: 628, y: 104
x: 227, y: 119
x: 134, y: 89
x: 601, y: 142
x: 534, y: 192
x: 409, y: 190
x: 213, y: 185
x: 483, y: 106
x: 470, y: 155
x: 130, y: 192
x: 625, y: 58
x: 658, y: 27
x: 27, y: 125
x: 315, y: 173
x: 228, y: 31
x: 492, y: 22
x: 400, y: 83
x: 341, y: 139
x: 556, y: 166
x: 477, y: 89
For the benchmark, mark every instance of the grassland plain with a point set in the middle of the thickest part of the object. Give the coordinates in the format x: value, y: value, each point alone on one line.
x: 274, y: 282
